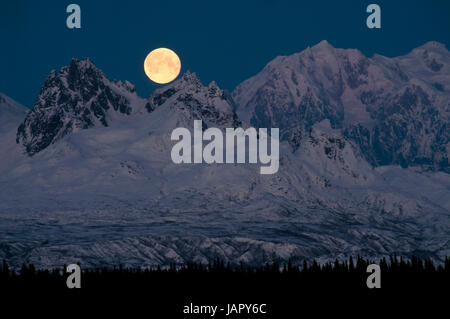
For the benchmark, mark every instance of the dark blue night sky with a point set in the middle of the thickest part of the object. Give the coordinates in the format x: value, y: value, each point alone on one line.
x: 226, y: 41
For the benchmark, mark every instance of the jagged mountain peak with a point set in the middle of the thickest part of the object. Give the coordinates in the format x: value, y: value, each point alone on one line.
x: 191, y: 100
x: 79, y: 72
x: 76, y: 97
x: 427, y: 61
x: 189, y: 81
x: 213, y: 86
x: 433, y: 45
x: 429, y: 51
x: 319, y: 52
x: 83, y: 63
x: 126, y: 85
x: 323, y: 45
x: 189, y: 78
x: 325, y: 52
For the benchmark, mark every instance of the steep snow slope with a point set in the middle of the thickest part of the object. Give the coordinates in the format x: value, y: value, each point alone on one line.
x: 11, y: 115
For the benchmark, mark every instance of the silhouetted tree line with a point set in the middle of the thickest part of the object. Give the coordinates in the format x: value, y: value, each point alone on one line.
x: 395, y: 272
x: 287, y: 288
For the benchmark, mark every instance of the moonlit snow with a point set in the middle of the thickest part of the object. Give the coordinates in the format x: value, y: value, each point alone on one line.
x: 91, y: 178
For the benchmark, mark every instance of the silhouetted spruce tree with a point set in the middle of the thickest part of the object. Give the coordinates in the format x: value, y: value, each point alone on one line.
x: 5, y: 268
x: 351, y: 266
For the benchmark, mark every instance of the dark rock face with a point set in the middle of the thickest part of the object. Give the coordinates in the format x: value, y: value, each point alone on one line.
x: 77, y: 97
x: 410, y: 130
x: 159, y: 99
x: 309, y: 109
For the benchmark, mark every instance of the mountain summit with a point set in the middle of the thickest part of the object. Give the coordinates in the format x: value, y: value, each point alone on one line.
x: 77, y: 97
x: 187, y: 99
x: 396, y: 109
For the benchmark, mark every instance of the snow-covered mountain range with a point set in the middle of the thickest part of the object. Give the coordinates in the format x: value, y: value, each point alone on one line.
x: 86, y: 175
x: 396, y: 109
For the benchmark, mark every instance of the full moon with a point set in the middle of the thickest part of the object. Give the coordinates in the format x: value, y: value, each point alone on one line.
x: 162, y: 65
